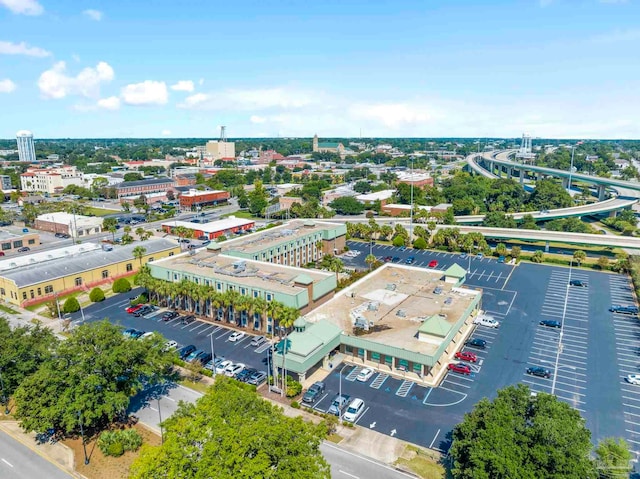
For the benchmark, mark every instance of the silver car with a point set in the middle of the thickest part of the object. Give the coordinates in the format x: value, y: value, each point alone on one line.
x: 338, y: 404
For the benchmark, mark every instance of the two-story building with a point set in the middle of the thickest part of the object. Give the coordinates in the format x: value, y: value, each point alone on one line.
x: 143, y: 187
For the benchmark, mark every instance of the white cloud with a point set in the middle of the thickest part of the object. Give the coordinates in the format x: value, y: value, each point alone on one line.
x: 166, y: 132
x: 183, y: 85
x: 9, y: 48
x: 257, y: 119
x: 7, y: 86
x: 55, y: 83
x: 24, y: 7
x: 258, y: 99
x: 110, y: 103
x: 93, y: 14
x: 146, y: 93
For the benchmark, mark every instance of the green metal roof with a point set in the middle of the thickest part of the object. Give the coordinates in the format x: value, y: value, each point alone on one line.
x: 328, y: 144
x: 303, y: 279
x: 314, y: 336
x: 455, y: 271
x: 324, y: 330
x: 435, y: 326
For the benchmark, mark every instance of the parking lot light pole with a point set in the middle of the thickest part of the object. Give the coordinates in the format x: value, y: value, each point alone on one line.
x: 340, y: 379
x: 160, y: 423
x: 564, y: 313
x: 213, y: 353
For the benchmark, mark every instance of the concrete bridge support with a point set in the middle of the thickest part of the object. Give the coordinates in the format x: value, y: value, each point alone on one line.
x: 521, y: 177
x: 613, y: 214
x: 509, y: 173
x: 565, y: 183
x: 546, y: 247
x: 602, y: 191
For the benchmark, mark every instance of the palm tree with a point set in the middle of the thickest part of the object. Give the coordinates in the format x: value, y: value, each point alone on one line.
x: 579, y: 256
x: 259, y: 306
x: 289, y: 316
x: 140, y: 232
x: 138, y: 253
x: 370, y: 259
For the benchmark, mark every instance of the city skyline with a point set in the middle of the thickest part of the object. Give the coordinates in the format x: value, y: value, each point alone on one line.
x: 112, y: 69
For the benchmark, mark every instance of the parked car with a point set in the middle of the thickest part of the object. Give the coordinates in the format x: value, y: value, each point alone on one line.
x: 203, y: 357
x: 487, y: 321
x: 24, y: 249
x: 387, y: 259
x: 476, y: 343
x: 203, y: 237
x: 188, y: 319
x: 624, y: 309
x: 169, y: 345
x: 237, y: 336
x: 364, y: 375
x: 633, y: 379
x: 395, y: 259
x: 550, y: 323
x: 128, y: 333
x: 233, y: 370
x: 500, y: 259
x: 146, y: 335
x: 338, y: 404
x: 463, y: 255
x: 144, y: 311
x: 410, y: 260
x: 354, y: 411
x: 480, y: 255
x: 258, y: 378
x: 461, y: 368
x: 186, y: 351
x: 220, y: 368
x: 258, y: 340
x: 313, y: 393
x: 246, y: 374
x: 433, y: 263
x: 538, y: 371
x: 578, y: 282
x: 169, y: 315
x: 438, y: 290
x: 133, y: 309
x: 466, y: 356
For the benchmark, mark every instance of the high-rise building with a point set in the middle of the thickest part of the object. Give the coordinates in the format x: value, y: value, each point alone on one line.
x: 221, y: 150
x: 26, y: 150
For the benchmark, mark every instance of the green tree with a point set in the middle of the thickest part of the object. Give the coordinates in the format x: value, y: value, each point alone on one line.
x: 516, y: 251
x: 138, y: 253
x: 96, y: 295
x: 603, y: 262
x: 95, y: 371
x: 347, y: 205
x: 370, y: 260
x: 362, y: 186
x: 132, y: 177
x: 233, y: 433
x: 613, y: 458
x: 523, y: 436
x: 528, y: 223
x: 537, y: 257
x: 501, y: 249
x: 71, y: 305
x: 549, y: 194
x: 110, y: 225
x: 420, y: 243
x: 258, y: 199
x: 579, y: 256
x: 121, y: 285
x: 498, y: 219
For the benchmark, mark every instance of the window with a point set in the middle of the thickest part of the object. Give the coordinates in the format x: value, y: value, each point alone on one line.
x: 243, y: 291
x: 256, y: 294
x: 269, y: 296
x: 31, y: 294
x: 375, y: 356
x: 6, y: 246
x: 39, y: 291
x: 2, y: 292
x: 219, y: 286
x: 32, y: 241
x: 150, y: 259
x: 105, y: 274
x: 24, y: 295
x: 48, y: 289
x: 171, y: 253
x: 129, y: 267
x: 17, y: 244
x: 78, y: 281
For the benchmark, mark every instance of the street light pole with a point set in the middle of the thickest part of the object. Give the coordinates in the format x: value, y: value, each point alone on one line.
x: 340, y: 379
x: 84, y: 445
x: 564, y: 313
x: 160, y: 423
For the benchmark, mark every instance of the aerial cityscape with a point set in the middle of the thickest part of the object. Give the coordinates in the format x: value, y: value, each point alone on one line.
x: 319, y: 240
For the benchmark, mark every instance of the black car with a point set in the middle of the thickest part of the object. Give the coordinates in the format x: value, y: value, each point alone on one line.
x: 477, y: 343
x: 24, y: 249
x: 313, y: 393
x: 204, y: 357
x: 538, y: 371
x: 578, y: 282
x: 188, y: 319
x: 170, y: 315
x: 142, y: 311
x: 624, y: 309
x: 246, y: 374
x: 395, y: 259
x: 550, y: 323
x: 186, y: 351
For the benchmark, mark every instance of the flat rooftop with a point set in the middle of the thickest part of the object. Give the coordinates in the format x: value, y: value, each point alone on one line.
x: 394, y: 301
x: 261, y: 240
x: 212, y: 226
x: 257, y: 274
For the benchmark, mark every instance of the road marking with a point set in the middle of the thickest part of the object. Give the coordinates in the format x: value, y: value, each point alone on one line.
x: 153, y: 409
x: 170, y: 399
x: 363, y: 458
x: 361, y: 415
x: 347, y: 474
x: 434, y: 439
x: 7, y: 462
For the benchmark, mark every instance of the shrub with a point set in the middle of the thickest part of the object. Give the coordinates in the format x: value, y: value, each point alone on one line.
x: 331, y: 423
x: 221, y: 238
x: 293, y: 387
x: 398, y: 241
x: 295, y: 404
x: 96, y: 295
x: 121, y: 285
x: 130, y: 439
x: 71, y: 305
x: 420, y: 243
x: 116, y: 450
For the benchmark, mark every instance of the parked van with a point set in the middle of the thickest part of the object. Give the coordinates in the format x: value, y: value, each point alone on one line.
x: 354, y: 410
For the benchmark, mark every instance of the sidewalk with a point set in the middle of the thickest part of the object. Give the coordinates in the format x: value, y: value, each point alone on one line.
x: 29, y: 318
x: 57, y: 454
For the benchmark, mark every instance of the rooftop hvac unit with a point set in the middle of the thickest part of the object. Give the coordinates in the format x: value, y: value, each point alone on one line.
x: 401, y: 313
x: 391, y: 286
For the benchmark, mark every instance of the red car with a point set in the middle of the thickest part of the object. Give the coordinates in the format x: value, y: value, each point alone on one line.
x: 466, y: 356
x: 460, y: 368
x: 433, y: 263
x: 133, y: 309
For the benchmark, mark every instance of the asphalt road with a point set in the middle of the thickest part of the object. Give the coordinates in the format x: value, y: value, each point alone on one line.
x: 347, y: 465
x: 20, y: 462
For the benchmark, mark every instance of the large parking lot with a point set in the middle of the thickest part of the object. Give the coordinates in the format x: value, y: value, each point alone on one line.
x: 599, y: 349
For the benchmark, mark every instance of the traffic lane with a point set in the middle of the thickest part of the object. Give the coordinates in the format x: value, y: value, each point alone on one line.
x: 18, y: 462
x: 348, y: 465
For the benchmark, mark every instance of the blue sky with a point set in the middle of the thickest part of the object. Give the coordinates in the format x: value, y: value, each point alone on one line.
x: 98, y: 68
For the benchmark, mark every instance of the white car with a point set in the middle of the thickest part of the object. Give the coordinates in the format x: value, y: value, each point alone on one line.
x: 487, y: 321
x: 364, y: 375
x: 237, y: 336
x: 233, y: 370
x: 220, y: 368
x: 171, y: 345
x: 146, y: 335
x: 633, y: 378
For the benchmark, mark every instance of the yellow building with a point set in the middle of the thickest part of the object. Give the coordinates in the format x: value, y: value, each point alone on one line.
x: 39, y: 277
x: 220, y: 150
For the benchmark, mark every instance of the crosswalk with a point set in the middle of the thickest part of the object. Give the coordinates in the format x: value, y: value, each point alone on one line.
x: 404, y: 388
x: 379, y: 380
x: 353, y: 374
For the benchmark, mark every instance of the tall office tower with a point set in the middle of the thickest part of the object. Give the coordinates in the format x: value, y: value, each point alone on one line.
x: 26, y: 150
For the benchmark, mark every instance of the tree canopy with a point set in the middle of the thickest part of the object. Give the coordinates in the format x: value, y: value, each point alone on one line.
x: 347, y: 205
x: 231, y: 433
x: 523, y: 436
x: 94, y: 373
